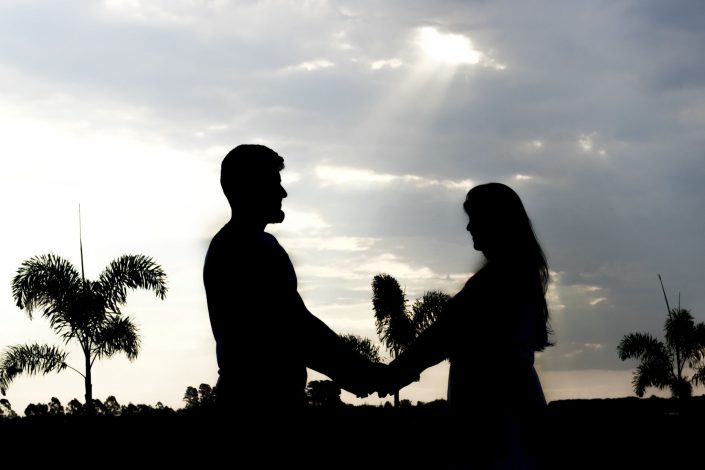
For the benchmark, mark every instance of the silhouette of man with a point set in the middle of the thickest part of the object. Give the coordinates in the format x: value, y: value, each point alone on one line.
x: 265, y: 336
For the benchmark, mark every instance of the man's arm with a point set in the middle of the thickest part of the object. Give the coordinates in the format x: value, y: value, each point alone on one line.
x: 325, y: 352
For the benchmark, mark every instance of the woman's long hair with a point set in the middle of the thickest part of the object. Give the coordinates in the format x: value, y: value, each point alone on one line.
x: 507, y: 228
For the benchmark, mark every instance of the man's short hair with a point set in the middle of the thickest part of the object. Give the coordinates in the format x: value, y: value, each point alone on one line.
x: 243, y: 167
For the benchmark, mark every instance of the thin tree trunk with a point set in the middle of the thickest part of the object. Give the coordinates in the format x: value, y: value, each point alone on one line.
x: 396, y: 392
x: 89, y: 386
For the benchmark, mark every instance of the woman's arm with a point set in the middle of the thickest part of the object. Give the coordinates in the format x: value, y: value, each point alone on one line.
x: 431, y: 347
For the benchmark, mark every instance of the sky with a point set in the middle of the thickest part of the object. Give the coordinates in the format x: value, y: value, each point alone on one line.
x: 386, y: 113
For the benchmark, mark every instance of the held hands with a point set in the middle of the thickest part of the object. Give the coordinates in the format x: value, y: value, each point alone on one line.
x: 368, y: 380
x: 393, y: 380
x: 381, y: 378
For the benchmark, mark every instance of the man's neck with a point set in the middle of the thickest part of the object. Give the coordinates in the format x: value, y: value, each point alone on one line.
x: 247, y: 224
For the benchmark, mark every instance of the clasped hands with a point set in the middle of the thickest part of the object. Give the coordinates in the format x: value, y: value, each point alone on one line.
x: 381, y: 378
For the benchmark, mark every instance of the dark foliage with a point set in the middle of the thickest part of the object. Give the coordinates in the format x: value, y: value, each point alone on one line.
x: 610, y: 433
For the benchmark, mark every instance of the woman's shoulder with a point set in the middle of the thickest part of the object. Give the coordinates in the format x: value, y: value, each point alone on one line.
x: 494, y: 281
x: 485, y: 276
x: 475, y: 287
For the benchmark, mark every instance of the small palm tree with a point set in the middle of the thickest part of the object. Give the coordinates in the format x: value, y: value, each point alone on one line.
x: 81, y: 310
x: 396, y: 326
x: 662, y: 364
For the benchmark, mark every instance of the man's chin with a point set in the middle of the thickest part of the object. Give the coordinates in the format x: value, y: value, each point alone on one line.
x: 277, y: 217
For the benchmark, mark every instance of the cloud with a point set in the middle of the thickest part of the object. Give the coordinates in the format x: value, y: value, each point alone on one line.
x: 389, y: 63
x: 585, y: 142
x: 361, y: 177
x: 332, y: 243
x: 304, y: 221
x: 454, y: 49
x: 312, y: 65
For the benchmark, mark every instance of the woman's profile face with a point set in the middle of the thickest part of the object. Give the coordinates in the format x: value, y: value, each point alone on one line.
x: 484, y: 229
x: 478, y: 229
x: 496, y: 220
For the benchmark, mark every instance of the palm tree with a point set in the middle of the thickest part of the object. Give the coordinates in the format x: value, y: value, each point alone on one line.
x: 81, y: 310
x: 396, y: 326
x: 662, y: 364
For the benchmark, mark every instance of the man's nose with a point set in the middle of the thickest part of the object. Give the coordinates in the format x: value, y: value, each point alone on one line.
x: 283, y: 192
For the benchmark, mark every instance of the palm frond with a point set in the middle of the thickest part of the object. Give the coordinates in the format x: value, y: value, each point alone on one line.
x: 428, y: 308
x: 652, y: 373
x: 401, y: 333
x: 131, y: 272
x: 86, y: 313
x: 679, y: 328
x: 388, y: 300
x: 392, y: 321
x: 699, y: 334
x: 696, y: 349
x: 641, y: 346
x: 46, y: 281
x: 699, y: 376
x: 31, y: 359
x: 117, y: 334
x: 362, y: 346
x: 692, y: 343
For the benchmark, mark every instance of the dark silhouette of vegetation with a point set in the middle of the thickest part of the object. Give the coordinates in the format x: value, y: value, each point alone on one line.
x: 202, y: 397
x: 397, y: 327
x: 426, y: 310
x: 75, y: 408
x: 323, y: 393
x: 40, y: 409
x: 662, y: 364
x: 6, y: 409
x: 112, y: 407
x: 206, y: 395
x: 81, y: 310
x: 363, y: 346
x: 55, y: 407
x: 191, y: 397
x: 638, y: 433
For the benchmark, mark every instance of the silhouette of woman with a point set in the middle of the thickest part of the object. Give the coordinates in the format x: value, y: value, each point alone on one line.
x: 490, y: 331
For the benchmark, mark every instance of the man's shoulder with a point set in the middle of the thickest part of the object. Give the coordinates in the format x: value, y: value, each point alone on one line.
x: 270, y: 240
x: 219, y: 239
x: 230, y: 240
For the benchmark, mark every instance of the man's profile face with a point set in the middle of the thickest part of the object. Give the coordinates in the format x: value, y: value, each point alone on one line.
x: 268, y: 196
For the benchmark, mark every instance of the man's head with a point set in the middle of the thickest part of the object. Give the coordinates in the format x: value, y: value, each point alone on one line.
x: 249, y: 176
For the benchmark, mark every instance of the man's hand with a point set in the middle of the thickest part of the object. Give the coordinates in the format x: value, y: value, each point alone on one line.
x: 393, y: 380
x: 367, y: 380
